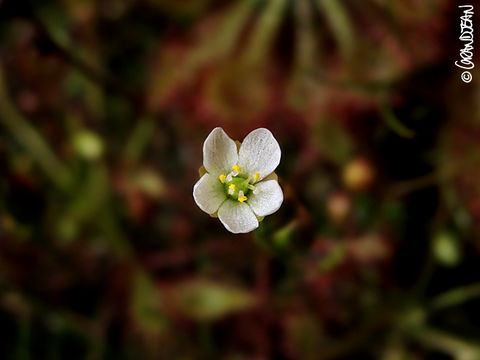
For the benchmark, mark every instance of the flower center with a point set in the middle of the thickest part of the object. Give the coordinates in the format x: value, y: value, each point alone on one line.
x: 237, y: 186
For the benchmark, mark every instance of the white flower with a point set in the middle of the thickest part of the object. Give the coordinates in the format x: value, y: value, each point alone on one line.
x: 237, y: 186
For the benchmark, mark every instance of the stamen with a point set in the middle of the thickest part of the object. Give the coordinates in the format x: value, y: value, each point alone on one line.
x: 231, y: 189
x: 241, y: 196
x: 255, y: 192
x: 229, y: 177
x: 237, y: 168
x: 257, y: 176
x: 222, y: 178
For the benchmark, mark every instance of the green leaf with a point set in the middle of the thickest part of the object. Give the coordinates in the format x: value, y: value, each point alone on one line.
x: 283, y: 237
x: 333, y: 141
x: 333, y: 259
x: 146, y: 306
x: 207, y: 301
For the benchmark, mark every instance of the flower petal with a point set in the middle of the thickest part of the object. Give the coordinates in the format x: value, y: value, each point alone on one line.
x: 268, y: 199
x: 209, y: 194
x: 237, y: 217
x: 259, y: 153
x: 219, y: 152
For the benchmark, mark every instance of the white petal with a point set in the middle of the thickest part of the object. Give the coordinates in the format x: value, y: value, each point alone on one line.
x: 259, y: 153
x: 237, y: 217
x: 268, y: 199
x: 219, y: 152
x: 208, y: 193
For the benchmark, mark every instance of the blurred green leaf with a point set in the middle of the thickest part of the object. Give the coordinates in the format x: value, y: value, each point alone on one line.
x: 394, y: 123
x: 55, y: 20
x: 185, y: 10
x: 28, y: 137
x: 146, y: 306
x: 284, y: 236
x: 304, y: 331
x: 138, y: 140
x: 340, y: 23
x: 149, y: 182
x: 456, y: 347
x: 207, y: 301
x: 333, y: 141
x: 79, y: 86
x: 263, y: 34
x: 456, y: 297
x: 332, y: 259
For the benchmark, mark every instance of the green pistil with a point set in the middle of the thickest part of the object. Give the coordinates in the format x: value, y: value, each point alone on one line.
x: 241, y: 184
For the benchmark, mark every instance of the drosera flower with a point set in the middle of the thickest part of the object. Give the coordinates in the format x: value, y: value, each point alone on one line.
x: 239, y: 185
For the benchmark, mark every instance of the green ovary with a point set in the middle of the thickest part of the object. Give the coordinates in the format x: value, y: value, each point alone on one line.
x: 241, y: 184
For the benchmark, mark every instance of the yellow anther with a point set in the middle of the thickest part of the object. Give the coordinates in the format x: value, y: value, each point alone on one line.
x: 257, y: 176
x: 242, y: 198
x: 237, y: 168
x: 222, y: 178
x: 231, y: 186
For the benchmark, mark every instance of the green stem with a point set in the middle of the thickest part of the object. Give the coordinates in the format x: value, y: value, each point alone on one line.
x: 394, y: 123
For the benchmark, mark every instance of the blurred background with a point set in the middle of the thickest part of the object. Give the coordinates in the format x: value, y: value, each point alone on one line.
x: 104, y: 107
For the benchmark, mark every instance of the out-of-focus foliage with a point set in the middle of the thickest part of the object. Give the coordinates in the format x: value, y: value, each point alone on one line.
x: 104, y: 106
